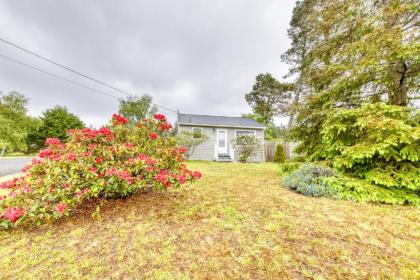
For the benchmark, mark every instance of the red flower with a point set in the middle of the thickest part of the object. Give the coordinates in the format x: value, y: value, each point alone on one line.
x: 52, y: 141
x: 56, y: 157
x: 125, y: 175
x: 160, y: 117
x: 117, y: 119
x: 45, y: 153
x: 181, y: 178
x: 8, y: 184
x: 60, y: 207
x: 13, y: 213
x: 70, y: 156
x: 129, y: 145
x: 99, y: 159
x: 162, y: 176
x: 153, y: 136
x: 93, y: 169
x: 165, y: 126
x: 92, y: 146
x: 131, y: 161
x: 182, y: 150
x: 105, y: 131
x: 197, y: 174
x: 111, y: 171
x: 36, y: 161
x: 86, y: 154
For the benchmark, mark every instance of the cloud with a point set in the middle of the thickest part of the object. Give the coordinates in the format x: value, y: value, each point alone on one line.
x: 196, y: 56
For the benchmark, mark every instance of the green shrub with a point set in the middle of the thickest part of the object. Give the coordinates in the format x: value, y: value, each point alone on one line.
x: 308, y: 180
x: 288, y: 167
x: 190, y: 140
x: 280, y: 155
x: 246, y: 145
x: 114, y: 161
x: 313, y: 180
x: 298, y: 159
x: 349, y: 188
x: 378, y: 143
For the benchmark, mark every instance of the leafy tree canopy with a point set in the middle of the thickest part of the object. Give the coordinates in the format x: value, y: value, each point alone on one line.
x: 55, y: 123
x: 269, y: 97
x: 14, y: 122
x: 136, y: 108
x: 349, y: 52
x: 356, y: 65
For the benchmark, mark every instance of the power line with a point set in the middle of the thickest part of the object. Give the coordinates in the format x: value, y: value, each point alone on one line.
x: 56, y: 76
x: 60, y: 77
x: 77, y: 72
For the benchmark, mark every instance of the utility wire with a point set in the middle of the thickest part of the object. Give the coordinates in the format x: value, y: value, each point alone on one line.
x: 62, y: 78
x: 77, y: 72
x: 56, y: 76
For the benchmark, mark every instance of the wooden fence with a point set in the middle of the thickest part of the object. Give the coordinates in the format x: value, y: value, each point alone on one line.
x: 270, y: 149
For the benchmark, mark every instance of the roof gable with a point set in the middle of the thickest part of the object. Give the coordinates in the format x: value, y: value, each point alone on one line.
x: 207, y: 120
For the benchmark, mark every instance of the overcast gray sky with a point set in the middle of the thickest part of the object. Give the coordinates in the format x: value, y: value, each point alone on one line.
x: 197, y: 56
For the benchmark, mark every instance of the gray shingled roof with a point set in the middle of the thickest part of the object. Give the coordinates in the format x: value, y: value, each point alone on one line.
x: 189, y: 119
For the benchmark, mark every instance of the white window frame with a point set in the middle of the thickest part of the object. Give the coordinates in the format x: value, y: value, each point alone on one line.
x: 200, y: 128
x: 247, y: 130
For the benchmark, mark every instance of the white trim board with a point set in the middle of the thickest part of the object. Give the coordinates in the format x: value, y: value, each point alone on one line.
x: 222, y: 126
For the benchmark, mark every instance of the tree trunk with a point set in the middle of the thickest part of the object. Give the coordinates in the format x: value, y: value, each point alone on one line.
x: 2, y: 151
x: 397, y: 94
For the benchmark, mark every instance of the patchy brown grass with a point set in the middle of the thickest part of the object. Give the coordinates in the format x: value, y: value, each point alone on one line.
x: 236, y: 223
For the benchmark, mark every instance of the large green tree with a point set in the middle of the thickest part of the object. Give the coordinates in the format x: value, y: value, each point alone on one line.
x: 356, y: 65
x: 54, y: 123
x: 14, y: 122
x: 348, y: 52
x: 270, y: 98
x: 136, y: 108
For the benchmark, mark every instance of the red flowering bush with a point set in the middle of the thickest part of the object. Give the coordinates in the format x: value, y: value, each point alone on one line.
x: 114, y: 161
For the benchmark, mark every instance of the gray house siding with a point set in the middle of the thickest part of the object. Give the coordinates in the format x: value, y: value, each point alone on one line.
x: 206, y: 150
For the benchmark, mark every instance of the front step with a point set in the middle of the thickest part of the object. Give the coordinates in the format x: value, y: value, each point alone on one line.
x: 224, y: 158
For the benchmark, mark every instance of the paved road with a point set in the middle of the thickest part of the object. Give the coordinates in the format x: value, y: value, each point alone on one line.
x: 13, y: 165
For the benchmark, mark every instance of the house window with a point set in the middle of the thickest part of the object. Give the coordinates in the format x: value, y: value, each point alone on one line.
x: 197, y: 132
x: 245, y: 132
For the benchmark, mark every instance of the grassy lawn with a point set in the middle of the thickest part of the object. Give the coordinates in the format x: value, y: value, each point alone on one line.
x: 235, y: 223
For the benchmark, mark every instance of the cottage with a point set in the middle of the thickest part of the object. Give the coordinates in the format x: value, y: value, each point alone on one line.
x: 221, y: 130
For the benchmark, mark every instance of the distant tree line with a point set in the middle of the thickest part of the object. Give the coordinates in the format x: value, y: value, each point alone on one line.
x: 22, y: 133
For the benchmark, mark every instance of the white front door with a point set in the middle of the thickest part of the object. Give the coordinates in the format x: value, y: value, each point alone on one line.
x: 221, y: 141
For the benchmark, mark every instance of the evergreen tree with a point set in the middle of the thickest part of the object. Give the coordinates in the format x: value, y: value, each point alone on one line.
x: 269, y: 98
x: 55, y: 123
x: 349, y: 52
